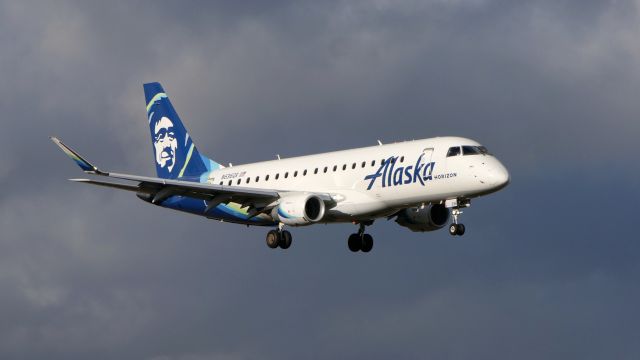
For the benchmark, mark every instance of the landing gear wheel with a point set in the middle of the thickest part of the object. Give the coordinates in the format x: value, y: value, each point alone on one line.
x: 456, y: 229
x: 273, y: 238
x: 354, y: 242
x: 367, y: 243
x: 285, y: 239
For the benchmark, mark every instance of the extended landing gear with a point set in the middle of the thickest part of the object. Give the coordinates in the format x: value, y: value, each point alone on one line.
x: 360, y: 241
x: 456, y: 228
x: 279, y: 238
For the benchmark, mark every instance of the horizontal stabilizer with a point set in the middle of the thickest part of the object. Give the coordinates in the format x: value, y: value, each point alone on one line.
x: 115, y: 185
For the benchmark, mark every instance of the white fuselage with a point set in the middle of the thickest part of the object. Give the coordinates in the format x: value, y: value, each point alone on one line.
x: 366, y: 184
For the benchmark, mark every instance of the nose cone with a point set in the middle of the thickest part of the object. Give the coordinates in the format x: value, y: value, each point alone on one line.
x: 499, y: 176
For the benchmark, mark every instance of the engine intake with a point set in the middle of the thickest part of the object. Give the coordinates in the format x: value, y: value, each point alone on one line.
x: 429, y: 218
x: 299, y: 209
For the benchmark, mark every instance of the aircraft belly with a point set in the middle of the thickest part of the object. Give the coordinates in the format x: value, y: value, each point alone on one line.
x: 354, y: 209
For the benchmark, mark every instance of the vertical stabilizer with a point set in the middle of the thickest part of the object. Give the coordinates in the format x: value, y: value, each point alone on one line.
x: 175, y: 153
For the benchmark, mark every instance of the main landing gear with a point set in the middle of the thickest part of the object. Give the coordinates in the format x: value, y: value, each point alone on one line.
x: 360, y: 241
x: 357, y: 242
x: 279, y: 238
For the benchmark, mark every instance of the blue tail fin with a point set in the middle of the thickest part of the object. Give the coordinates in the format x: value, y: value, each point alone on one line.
x: 176, y: 155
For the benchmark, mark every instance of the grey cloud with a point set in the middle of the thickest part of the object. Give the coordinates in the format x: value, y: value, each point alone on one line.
x: 547, y: 270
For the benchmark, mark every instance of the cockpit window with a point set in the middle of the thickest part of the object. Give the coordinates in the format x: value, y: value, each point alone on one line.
x: 453, y: 151
x: 470, y: 150
x: 483, y: 150
x: 474, y: 150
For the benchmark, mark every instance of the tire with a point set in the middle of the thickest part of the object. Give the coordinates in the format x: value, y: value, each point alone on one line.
x: 285, y: 239
x: 354, y: 243
x: 273, y: 238
x: 453, y: 229
x: 367, y: 243
x: 460, y: 230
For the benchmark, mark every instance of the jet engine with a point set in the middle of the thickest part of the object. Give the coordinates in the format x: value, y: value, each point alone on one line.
x: 428, y: 218
x: 299, y: 209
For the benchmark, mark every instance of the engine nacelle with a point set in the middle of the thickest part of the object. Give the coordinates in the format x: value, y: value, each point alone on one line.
x: 299, y: 209
x: 429, y: 218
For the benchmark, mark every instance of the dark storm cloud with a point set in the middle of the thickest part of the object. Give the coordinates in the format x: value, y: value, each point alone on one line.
x: 549, y: 267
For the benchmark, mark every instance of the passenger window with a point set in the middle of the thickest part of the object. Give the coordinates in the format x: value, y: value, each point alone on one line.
x: 373, y: 163
x: 335, y: 167
x: 304, y: 173
x: 266, y: 178
x: 220, y: 182
x: 315, y: 171
x: 295, y: 173
x: 364, y: 163
x: 286, y: 175
x: 277, y: 176
x: 257, y: 178
x: 325, y: 169
x: 453, y: 151
x: 402, y: 159
x: 239, y: 181
x: 344, y: 167
x: 229, y: 182
x: 470, y: 150
x: 248, y: 178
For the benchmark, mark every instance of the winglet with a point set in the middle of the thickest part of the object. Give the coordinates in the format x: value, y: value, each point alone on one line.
x: 84, y: 164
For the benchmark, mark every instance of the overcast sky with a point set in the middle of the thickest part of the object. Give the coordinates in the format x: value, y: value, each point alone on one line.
x: 549, y: 267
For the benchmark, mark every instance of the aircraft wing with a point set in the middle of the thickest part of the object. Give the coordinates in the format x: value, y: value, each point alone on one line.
x: 157, y: 190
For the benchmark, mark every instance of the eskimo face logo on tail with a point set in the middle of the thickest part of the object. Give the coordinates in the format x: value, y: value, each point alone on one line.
x: 392, y: 176
x: 165, y: 144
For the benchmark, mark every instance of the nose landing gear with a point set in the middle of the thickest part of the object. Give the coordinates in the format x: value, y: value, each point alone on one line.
x: 455, y: 205
x: 456, y: 228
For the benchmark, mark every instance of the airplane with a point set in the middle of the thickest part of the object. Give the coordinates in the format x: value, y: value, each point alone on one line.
x: 422, y: 184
